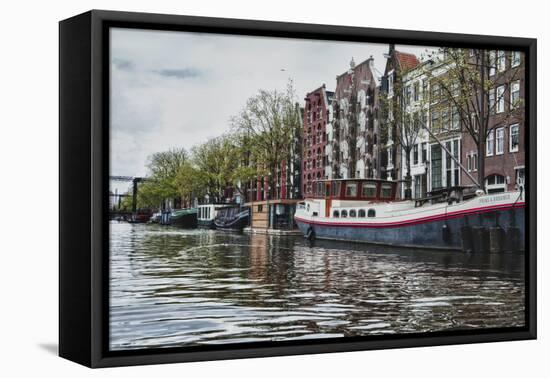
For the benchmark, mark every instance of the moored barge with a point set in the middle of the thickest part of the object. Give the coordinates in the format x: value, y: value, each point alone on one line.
x: 366, y: 210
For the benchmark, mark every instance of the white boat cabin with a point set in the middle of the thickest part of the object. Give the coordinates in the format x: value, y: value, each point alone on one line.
x: 351, y: 198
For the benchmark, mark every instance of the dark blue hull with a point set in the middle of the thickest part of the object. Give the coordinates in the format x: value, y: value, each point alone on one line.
x: 497, y: 230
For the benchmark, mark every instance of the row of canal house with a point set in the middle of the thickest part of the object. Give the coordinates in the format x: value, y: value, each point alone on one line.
x: 504, y: 149
x: 346, y: 134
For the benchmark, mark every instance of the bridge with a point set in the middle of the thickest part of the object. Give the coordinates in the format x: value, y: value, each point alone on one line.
x: 135, y: 181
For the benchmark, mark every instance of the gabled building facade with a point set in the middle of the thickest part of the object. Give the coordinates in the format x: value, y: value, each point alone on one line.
x: 352, y: 149
x: 317, y: 115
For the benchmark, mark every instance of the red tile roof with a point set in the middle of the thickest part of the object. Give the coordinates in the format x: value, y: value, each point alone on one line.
x: 406, y: 61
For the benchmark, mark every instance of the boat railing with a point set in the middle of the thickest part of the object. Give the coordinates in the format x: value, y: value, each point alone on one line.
x: 449, y: 194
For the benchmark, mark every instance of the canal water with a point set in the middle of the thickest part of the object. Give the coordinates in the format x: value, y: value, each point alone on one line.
x: 172, y: 287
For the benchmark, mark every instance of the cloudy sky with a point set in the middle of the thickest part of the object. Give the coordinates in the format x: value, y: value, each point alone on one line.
x: 177, y: 89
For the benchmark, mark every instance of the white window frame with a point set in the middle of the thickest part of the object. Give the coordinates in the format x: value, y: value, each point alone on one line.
x: 474, y: 162
x: 500, y: 98
x: 492, y: 102
x: 468, y: 163
x: 490, y: 143
x: 515, y: 87
x: 492, y: 63
x: 499, y: 140
x: 511, y: 148
x: 515, y: 59
x: 501, y: 60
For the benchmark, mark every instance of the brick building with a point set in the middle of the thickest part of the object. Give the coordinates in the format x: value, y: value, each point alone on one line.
x: 505, y: 142
x: 398, y: 63
x: 352, y: 136
x: 317, y: 114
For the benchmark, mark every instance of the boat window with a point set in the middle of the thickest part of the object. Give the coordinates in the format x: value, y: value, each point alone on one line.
x: 385, y: 191
x: 336, y: 214
x: 352, y: 213
x: 320, y: 189
x: 307, y: 207
x: 361, y: 213
x: 344, y: 213
x: 372, y: 213
x: 336, y: 189
x: 260, y: 208
x: 315, y: 214
x: 327, y: 191
x: 369, y: 190
x: 351, y: 189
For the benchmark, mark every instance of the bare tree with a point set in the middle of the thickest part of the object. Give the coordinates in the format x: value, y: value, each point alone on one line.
x: 476, y: 84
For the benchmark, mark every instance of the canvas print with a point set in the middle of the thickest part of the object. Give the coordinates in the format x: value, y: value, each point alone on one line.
x: 270, y: 189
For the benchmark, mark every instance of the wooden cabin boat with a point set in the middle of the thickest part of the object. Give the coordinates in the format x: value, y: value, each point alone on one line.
x: 232, y: 218
x: 366, y: 210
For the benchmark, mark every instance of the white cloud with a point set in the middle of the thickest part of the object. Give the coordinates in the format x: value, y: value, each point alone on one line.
x: 173, y: 89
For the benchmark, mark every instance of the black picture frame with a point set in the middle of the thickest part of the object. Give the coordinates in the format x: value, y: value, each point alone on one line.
x: 83, y: 180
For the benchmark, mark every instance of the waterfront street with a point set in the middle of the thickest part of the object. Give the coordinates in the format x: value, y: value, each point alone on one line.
x: 173, y: 287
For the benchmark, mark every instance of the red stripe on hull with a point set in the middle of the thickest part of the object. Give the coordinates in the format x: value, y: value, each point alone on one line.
x: 456, y: 214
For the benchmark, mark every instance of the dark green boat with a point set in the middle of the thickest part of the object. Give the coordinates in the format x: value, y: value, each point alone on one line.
x: 185, y: 218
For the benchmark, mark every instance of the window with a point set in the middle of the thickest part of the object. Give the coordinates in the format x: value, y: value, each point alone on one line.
x: 352, y: 213
x: 449, y: 164
x: 415, y: 154
x: 500, y: 99
x: 436, y: 93
x: 501, y: 61
x: 344, y: 213
x: 500, y: 141
x: 424, y: 152
x: 416, y: 91
x: 390, y: 84
x: 436, y: 166
x: 495, y: 184
x: 336, y: 214
x: 435, y: 121
x: 515, y: 59
x: 351, y: 189
x: 514, y: 138
x: 260, y: 208
x: 424, y: 89
x: 490, y: 143
x: 445, y: 119
x: 455, y: 118
x: 455, y: 89
x: 469, y: 163
x: 369, y: 190
x: 385, y: 191
x: 420, y: 186
x: 371, y: 213
x: 492, y: 62
x: 361, y: 213
x: 407, y: 95
x: 336, y: 189
x: 390, y: 155
x: 514, y: 94
x: 492, y: 102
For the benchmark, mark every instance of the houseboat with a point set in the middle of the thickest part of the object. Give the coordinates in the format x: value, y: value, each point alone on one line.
x: 366, y: 210
x: 207, y: 213
x: 185, y: 218
x: 232, y: 218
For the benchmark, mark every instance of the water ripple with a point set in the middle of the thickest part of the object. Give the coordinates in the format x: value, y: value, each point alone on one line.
x: 171, y: 287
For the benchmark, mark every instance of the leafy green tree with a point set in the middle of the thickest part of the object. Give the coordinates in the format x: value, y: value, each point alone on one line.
x: 269, y: 122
